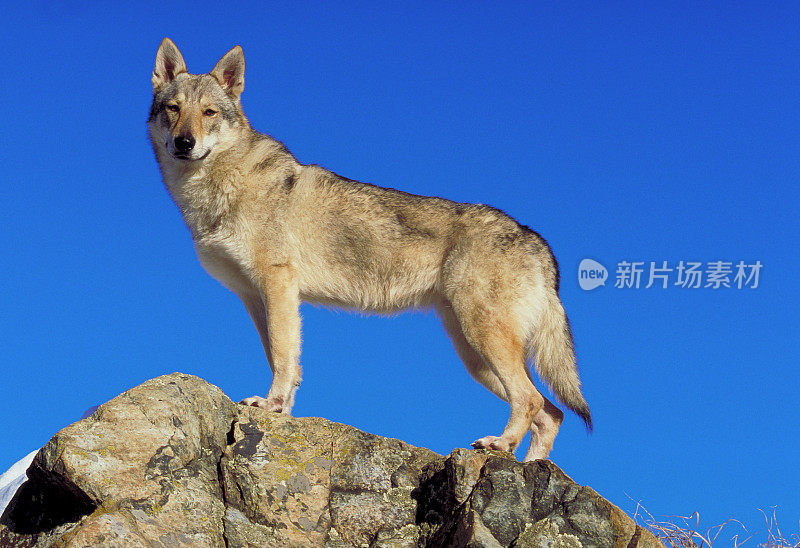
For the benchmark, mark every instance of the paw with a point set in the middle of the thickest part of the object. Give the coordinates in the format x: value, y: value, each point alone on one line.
x: 272, y: 404
x: 492, y: 442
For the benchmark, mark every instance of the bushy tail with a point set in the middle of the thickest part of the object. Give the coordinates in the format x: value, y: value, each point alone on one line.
x: 553, y: 353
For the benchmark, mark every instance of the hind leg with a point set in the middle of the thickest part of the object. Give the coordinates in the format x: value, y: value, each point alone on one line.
x: 495, y: 357
x: 546, y: 422
x: 475, y: 365
x: 544, y: 429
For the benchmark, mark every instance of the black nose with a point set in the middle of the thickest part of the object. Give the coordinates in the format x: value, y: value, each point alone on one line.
x: 184, y: 143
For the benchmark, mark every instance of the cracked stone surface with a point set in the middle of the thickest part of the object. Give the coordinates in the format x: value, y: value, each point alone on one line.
x: 174, y: 462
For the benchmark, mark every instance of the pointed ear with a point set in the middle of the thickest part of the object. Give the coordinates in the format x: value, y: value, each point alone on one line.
x: 229, y: 71
x: 169, y: 64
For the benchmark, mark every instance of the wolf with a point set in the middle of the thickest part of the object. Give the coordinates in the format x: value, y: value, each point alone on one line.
x: 277, y: 233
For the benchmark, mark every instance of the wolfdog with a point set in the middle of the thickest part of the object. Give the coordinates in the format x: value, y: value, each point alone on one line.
x: 277, y: 232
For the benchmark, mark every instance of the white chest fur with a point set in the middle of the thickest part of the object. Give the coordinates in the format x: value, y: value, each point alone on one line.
x: 226, y: 262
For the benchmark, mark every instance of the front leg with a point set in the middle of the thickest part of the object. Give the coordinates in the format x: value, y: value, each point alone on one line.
x: 278, y: 323
x: 258, y: 313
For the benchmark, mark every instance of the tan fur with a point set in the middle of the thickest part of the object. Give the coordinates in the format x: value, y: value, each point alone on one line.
x: 277, y: 232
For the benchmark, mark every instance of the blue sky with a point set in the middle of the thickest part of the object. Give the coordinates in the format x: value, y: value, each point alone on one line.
x: 619, y: 132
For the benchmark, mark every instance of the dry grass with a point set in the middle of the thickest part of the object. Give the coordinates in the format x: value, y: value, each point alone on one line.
x: 685, y: 532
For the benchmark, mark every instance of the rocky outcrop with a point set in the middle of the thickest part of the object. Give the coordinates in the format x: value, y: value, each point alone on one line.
x: 174, y: 462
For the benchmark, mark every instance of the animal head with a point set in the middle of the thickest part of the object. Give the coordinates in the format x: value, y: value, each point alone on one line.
x: 195, y: 114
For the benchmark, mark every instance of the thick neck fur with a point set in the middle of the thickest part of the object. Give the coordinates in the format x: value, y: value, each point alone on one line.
x: 205, y: 191
x: 208, y: 191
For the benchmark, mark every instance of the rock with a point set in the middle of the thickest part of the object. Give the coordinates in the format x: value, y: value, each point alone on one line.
x: 174, y: 462
x: 308, y: 481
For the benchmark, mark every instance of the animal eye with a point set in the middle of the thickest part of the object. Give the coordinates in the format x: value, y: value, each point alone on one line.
x: 209, y: 112
x: 173, y: 108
